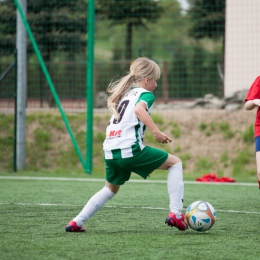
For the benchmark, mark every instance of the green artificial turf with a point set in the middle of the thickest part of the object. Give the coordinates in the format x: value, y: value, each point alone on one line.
x: 34, y: 213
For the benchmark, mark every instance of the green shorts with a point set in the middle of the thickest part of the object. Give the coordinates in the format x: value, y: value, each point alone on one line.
x: 118, y: 171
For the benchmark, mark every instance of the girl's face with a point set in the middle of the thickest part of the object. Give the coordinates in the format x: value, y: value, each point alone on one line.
x: 150, y: 84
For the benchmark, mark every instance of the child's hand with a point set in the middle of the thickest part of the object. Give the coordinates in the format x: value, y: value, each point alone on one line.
x: 162, y: 137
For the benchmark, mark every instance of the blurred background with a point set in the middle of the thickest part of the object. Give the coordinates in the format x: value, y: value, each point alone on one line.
x: 186, y: 39
x: 207, y: 51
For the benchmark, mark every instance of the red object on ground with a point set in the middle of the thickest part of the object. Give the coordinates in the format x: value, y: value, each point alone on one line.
x: 212, y: 177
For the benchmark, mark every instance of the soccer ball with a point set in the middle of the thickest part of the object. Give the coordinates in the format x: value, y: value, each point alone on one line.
x: 200, y: 215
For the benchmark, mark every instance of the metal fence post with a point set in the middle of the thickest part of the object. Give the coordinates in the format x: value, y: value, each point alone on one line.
x: 21, y: 87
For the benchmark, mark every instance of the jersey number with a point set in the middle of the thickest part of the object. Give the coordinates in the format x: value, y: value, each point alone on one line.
x: 121, y: 111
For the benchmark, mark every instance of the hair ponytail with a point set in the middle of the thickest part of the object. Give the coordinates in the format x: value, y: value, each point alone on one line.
x: 117, y: 90
x: 140, y: 68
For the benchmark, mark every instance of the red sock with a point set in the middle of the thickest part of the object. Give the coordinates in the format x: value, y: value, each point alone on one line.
x: 259, y: 184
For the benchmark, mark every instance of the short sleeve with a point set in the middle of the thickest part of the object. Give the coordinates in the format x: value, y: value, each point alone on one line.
x: 254, y: 91
x: 147, y: 97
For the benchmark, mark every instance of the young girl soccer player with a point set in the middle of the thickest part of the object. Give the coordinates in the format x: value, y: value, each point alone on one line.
x: 253, y: 100
x: 131, y: 102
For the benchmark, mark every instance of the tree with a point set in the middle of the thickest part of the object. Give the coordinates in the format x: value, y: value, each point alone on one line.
x: 132, y: 13
x: 57, y: 26
x: 7, y: 27
x: 179, y: 74
x: 208, y: 18
x: 208, y: 21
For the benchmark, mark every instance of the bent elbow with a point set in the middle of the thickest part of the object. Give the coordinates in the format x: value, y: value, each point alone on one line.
x: 249, y: 105
x: 246, y: 107
x: 137, y: 111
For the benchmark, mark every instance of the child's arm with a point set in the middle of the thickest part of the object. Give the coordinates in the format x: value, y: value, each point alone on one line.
x: 142, y: 114
x: 251, y: 104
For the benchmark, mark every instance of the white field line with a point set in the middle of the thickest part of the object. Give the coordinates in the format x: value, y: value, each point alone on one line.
x: 102, y: 180
x: 122, y: 207
x: 132, y: 180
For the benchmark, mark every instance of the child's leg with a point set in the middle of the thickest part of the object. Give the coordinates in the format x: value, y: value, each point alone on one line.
x: 175, y: 187
x: 174, y: 183
x: 96, y: 202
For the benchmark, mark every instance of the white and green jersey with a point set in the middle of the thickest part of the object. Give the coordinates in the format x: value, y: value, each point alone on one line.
x: 124, y: 137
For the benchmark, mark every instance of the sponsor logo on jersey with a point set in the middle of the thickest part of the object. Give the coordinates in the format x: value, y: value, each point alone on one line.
x: 114, y: 134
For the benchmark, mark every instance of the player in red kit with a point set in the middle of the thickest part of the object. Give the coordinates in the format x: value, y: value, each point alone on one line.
x: 252, y: 100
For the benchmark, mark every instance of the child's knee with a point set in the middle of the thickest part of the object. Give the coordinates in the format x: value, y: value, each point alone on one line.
x: 174, y: 159
x: 178, y: 160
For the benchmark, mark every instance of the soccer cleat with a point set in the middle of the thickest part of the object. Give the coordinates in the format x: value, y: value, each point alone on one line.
x: 72, y: 227
x: 173, y: 221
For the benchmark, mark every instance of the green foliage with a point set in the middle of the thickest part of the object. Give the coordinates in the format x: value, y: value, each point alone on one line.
x: 242, y: 162
x: 6, y: 141
x: 208, y: 18
x: 51, y: 121
x: 48, y: 145
x: 203, y: 126
x: 248, y: 135
x: 207, y: 21
x: 198, y: 70
x: 179, y: 72
x: 30, y: 118
x: 170, y: 20
x: 99, y: 137
x: 43, y: 138
x: 166, y: 148
x: 225, y: 129
x: 59, y: 28
x: 59, y: 24
x: 177, y: 148
x: 204, y: 165
x: 224, y: 158
x: 132, y: 13
x: 37, y: 150
x: 97, y: 119
x: 81, y: 137
x: 212, y: 126
x: 207, y: 129
x: 157, y: 119
x: 149, y: 138
x: 176, y: 131
x: 8, y: 27
x: 184, y: 158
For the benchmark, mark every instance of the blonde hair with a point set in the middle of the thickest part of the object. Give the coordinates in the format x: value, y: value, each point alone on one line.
x: 140, y: 68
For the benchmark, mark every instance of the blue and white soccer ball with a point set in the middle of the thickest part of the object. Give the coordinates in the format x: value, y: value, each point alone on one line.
x: 201, y: 215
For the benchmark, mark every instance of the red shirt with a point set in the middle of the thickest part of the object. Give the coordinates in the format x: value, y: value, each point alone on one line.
x: 254, y: 93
